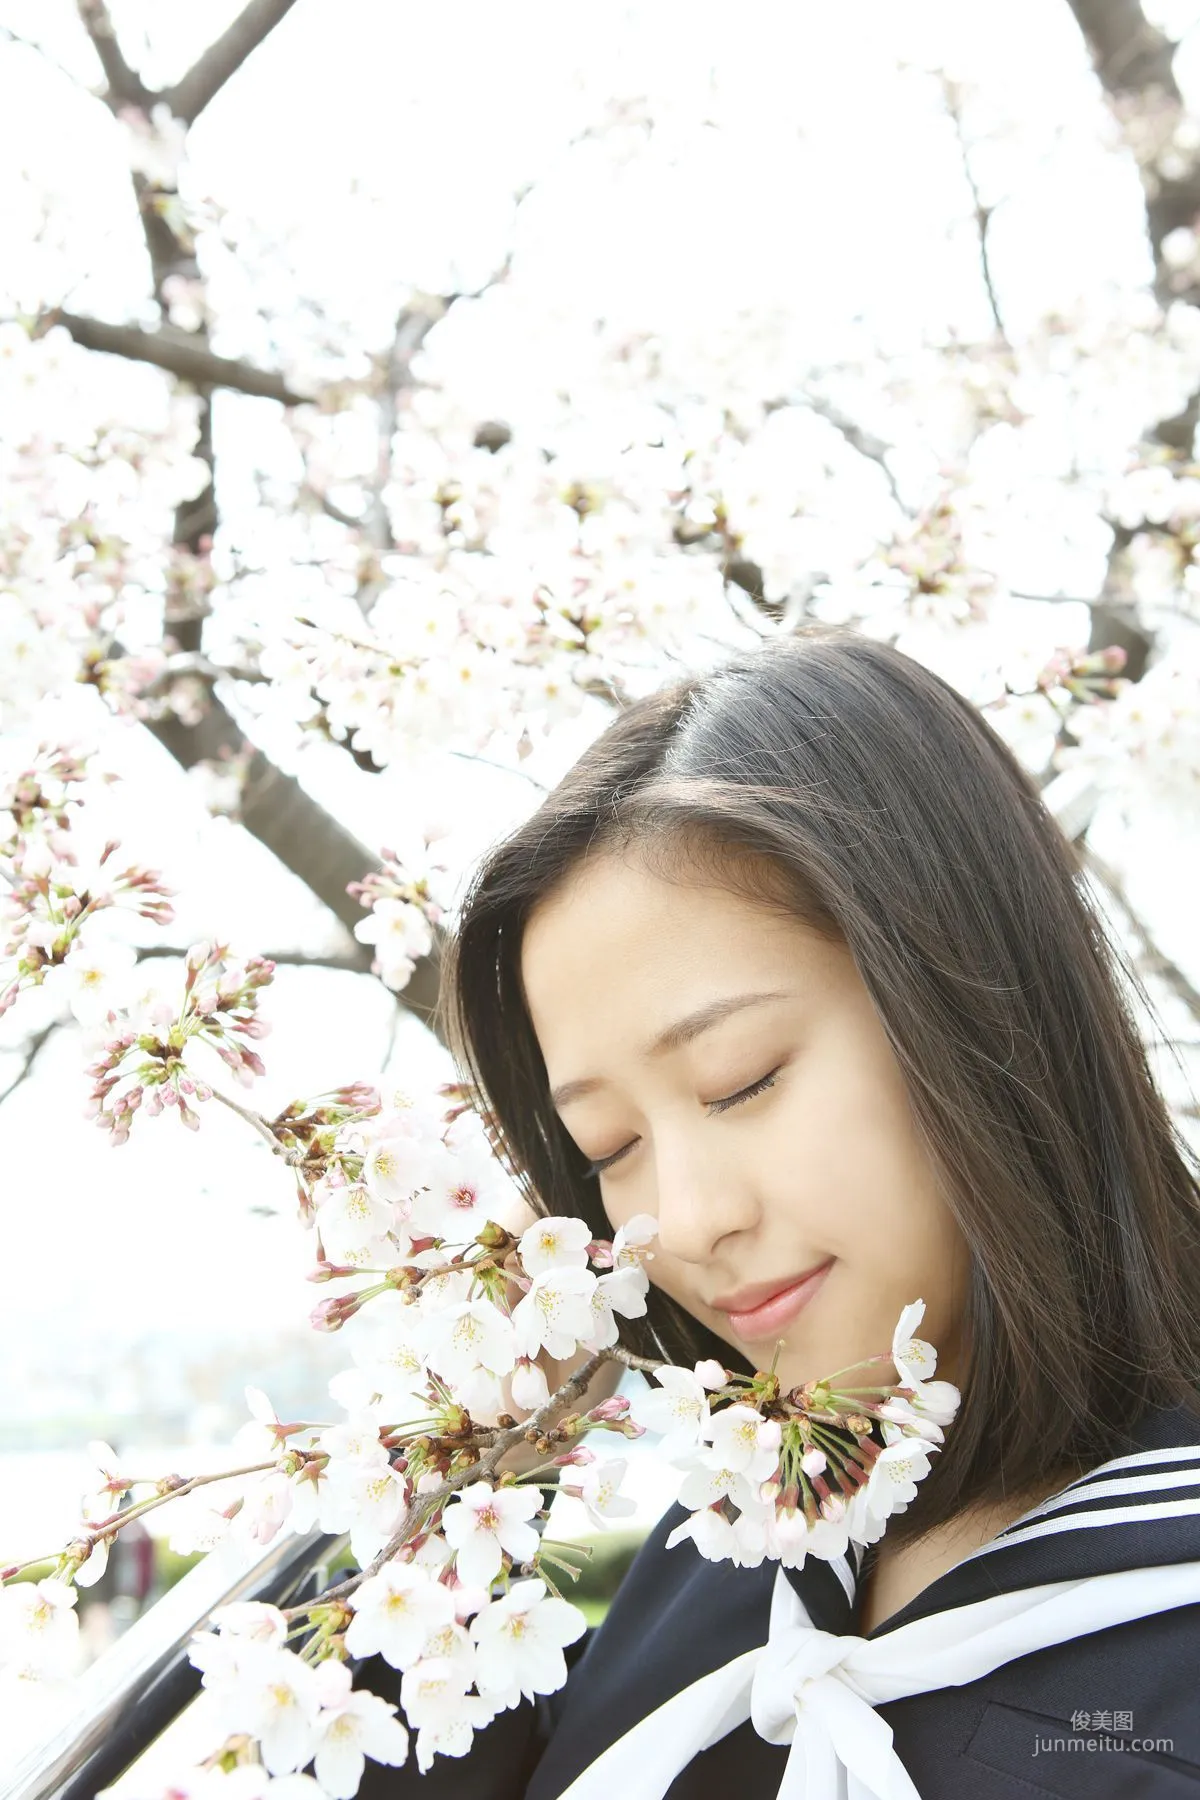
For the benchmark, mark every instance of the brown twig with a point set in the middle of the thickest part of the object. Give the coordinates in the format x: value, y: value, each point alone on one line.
x: 224, y: 57
x: 179, y: 353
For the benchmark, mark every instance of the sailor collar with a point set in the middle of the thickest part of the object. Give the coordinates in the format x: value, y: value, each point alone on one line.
x: 712, y: 1644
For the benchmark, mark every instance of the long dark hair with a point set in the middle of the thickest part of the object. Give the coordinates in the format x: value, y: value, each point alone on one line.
x: 840, y: 780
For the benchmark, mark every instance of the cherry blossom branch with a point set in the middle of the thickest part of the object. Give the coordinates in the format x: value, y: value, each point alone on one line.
x: 102, y: 1528
x: 179, y: 353
x: 1152, y: 957
x: 288, y: 959
x: 30, y: 1054
x: 224, y: 57
x: 1128, y: 51
x: 952, y: 97
x: 571, y: 1389
x: 259, y: 1124
x: 125, y: 85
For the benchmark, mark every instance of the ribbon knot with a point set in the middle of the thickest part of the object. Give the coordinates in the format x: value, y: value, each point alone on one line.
x: 818, y: 1693
x: 792, y: 1671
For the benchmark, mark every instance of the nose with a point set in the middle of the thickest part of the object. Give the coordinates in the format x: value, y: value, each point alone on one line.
x: 702, y: 1200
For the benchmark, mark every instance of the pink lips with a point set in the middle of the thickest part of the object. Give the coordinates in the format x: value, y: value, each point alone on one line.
x: 772, y: 1314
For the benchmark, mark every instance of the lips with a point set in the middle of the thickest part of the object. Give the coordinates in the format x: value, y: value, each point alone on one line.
x: 764, y: 1321
x: 749, y: 1299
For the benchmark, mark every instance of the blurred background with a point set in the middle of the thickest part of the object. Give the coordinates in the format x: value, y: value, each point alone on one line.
x: 386, y: 392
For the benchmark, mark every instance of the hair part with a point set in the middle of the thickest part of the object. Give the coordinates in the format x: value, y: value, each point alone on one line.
x: 836, y: 779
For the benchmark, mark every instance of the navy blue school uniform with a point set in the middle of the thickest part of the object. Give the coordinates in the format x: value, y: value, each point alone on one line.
x: 1113, y: 1714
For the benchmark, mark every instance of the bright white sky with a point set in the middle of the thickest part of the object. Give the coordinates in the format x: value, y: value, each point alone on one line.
x: 384, y: 142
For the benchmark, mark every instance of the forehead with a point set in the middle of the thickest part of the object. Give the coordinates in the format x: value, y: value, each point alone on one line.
x: 617, y: 951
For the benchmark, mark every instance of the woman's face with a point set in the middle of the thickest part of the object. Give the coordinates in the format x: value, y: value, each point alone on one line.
x: 823, y: 1166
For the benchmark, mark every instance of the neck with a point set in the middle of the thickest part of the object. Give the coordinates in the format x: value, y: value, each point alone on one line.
x: 896, y: 1573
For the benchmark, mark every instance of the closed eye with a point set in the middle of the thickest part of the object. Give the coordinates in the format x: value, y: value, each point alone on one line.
x: 714, y: 1106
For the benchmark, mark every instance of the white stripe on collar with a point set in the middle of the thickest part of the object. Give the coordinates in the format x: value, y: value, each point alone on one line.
x: 1155, y: 1483
x: 1111, y: 1515
x: 1085, y: 1485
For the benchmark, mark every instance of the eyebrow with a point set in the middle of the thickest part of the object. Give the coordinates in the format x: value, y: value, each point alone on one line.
x: 672, y: 1038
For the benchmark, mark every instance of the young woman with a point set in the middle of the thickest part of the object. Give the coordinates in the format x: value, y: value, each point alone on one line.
x: 795, y: 960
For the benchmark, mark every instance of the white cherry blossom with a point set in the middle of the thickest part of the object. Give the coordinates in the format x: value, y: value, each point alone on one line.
x: 387, y: 1341
x: 915, y: 1360
x: 39, y: 1630
x: 631, y: 1241
x: 711, y: 1532
x: 395, y: 1611
x: 377, y: 1496
x: 465, y: 1191
x: 556, y: 1313
x: 520, y: 1640
x: 528, y: 1384
x: 352, y: 1726
x: 94, y: 978
x: 470, y: 1335
x: 351, y: 1218
x: 677, y: 1410
x: 554, y: 1243
x: 480, y: 1523
x: 895, y: 1474
x: 102, y: 1501
x: 742, y: 1439
x: 625, y: 1289
x: 319, y: 1500
x: 435, y: 1700
x: 272, y: 1695
x: 397, y: 1164
x: 599, y: 1489
x: 451, y: 1643
x: 706, y: 1482
x: 400, y: 934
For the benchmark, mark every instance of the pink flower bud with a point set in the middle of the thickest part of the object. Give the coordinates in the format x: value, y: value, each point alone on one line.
x: 613, y: 1408
x: 331, y: 1315
x: 580, y: 1456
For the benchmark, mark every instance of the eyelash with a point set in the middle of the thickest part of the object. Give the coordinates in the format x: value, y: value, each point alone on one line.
x: 714, y: 1106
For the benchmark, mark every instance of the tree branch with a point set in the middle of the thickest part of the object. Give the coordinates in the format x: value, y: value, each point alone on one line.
x: 865, y: 442
x: 982, y: 214
x: 1129, y: 53
x: 15, y: 37
x: 277, y: 811
x: 223, y: 58
x: 286, y: 959
x: 1133, y: 58
x: 125, y: 85
x: 31, y: 1052
x: 179, y: 353
x: 1151, y: 956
